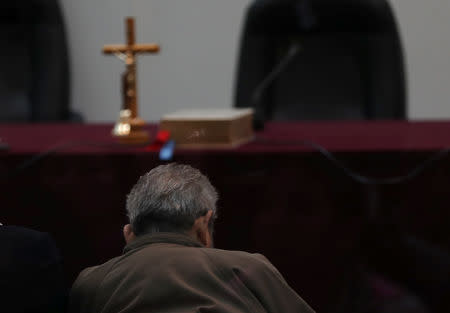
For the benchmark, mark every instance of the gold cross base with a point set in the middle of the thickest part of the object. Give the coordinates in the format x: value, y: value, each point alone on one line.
x: 130, y: 130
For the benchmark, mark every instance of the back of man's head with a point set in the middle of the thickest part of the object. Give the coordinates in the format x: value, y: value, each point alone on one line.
x: 170, y: 198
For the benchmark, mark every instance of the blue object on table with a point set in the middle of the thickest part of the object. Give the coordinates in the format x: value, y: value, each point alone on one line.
x: 166, y: 152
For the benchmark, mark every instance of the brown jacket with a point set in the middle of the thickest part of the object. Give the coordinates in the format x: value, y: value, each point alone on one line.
x: 172, y: 273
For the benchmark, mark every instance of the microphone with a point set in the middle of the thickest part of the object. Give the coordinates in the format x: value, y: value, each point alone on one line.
x: 3, y: 145
x: 259, y: 119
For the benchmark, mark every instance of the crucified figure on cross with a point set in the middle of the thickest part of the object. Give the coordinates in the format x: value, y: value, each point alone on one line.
x: 129, y: 128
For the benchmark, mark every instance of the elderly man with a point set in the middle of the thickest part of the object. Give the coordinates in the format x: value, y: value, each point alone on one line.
x: 169, y: 265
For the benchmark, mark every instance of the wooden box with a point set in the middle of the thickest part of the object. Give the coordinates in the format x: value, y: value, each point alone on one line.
x: 209, y: 128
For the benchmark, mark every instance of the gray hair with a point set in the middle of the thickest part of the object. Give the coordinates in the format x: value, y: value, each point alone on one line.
x: 170, y: 198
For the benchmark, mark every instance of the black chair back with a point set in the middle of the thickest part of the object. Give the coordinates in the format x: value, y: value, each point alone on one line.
x: 350, y: 65
x: 34, y: 76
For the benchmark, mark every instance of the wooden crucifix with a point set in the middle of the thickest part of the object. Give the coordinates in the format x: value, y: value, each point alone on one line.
x: 130, y: 128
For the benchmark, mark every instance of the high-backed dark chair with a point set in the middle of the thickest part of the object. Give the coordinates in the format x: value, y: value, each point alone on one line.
x: 350, y: 65
x: 34, y: 75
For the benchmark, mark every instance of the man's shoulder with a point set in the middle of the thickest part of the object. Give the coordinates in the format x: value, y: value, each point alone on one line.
x: 28, y: 247
x: 177, y: 258
x: 92, y: 276
x: 101, y: 268
x: 232, y: 257
x: 234, y: 254
x: 18, y: 232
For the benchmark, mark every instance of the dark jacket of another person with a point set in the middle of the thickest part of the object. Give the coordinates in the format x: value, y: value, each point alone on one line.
x: 31, y: 277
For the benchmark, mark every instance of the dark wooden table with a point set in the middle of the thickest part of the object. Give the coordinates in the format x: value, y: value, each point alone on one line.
x: 278, y: 195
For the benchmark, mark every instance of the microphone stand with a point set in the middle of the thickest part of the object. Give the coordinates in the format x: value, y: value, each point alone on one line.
x: 3, y: 145
x: 259, y: 118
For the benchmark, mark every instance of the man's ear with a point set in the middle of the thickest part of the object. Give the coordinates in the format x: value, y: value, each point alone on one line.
x: 128, y: 233
x: 200, y: 230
